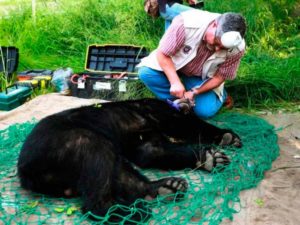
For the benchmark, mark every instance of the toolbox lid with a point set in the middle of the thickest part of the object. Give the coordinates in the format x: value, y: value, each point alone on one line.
x: 14, y: 92
x: 13, y: 97
x: 9, y: 59
x: 114, y: 58
x: 36, y: 72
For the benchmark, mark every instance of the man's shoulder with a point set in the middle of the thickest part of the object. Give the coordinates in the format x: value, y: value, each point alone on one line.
x: 195, y: 18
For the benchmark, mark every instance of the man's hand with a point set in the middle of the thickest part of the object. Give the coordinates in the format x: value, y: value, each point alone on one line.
x: 192, y: 2
x: 177, y: 89
x: 190, y: 95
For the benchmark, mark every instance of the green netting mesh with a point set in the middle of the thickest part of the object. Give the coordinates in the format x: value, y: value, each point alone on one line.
x: 210, y: 198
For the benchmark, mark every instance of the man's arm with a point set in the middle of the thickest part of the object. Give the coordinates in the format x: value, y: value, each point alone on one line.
x: 177, y: 89
x: 171, y: 42
x: 226, y: 71
x: 212, y: 83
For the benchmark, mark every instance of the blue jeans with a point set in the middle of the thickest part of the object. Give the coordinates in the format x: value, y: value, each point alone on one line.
x: 173, y: 11
x: 206, y: 104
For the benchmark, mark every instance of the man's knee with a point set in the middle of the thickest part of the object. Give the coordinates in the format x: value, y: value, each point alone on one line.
x: 142, y: 74
x: 205, y: 111
x: 149, y: 76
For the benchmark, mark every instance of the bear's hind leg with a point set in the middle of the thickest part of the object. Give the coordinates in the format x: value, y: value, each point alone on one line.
x: 133, y: 185
x: 96, y: 175
x: 101, y: 189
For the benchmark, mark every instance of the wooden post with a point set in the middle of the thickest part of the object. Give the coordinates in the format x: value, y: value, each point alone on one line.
x: 33, y: 6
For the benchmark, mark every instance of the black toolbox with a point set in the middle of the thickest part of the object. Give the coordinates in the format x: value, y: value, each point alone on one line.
x: 110, y: 72
x: 9, y: 59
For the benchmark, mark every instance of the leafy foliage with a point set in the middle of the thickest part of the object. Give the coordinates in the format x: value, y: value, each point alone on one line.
x: 62, y: 30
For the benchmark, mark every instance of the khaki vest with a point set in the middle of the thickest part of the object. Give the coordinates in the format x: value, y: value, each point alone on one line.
x: 195, y: 24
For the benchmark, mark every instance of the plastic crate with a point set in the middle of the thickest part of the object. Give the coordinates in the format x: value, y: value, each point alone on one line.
x: 13, y: 97
x: 89, y: 85
x: 114, y: 58
x: 104, y: 65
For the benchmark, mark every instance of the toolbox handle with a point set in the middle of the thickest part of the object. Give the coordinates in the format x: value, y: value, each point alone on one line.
x: 6, y: 91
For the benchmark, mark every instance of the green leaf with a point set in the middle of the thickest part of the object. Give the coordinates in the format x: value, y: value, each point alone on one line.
x: 71, y: 210
x: 59, y: 209
x: 97, y: 105
x: 32, y: 204
x: 259, y: 202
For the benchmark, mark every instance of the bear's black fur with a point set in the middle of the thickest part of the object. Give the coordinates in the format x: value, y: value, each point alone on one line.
x: 89, y: 151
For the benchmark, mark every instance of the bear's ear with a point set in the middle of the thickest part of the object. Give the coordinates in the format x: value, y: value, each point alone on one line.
x: 184, y: 105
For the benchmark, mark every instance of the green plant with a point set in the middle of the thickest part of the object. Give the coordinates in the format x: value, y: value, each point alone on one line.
x: 4, y: 82
x: 59, y: 37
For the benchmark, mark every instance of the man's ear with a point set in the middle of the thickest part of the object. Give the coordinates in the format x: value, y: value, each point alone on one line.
x: 215, y: 24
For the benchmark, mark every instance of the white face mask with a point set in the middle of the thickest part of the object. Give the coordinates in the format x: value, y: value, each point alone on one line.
x: 231, y: 39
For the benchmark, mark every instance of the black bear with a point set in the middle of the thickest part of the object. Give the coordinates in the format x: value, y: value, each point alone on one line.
x: 91, y: 152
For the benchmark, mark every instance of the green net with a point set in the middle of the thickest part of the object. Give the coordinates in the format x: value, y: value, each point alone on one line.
x: 210, y: 197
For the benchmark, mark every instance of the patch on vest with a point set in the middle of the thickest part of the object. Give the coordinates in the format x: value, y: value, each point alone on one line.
x: 187, y: 49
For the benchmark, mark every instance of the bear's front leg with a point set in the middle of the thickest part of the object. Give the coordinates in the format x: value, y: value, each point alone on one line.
x: 228, y: 138
x: 209, y: 158
x: 170, y: 187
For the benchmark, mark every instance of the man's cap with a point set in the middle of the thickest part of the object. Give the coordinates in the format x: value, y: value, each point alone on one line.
x: 231, y: 39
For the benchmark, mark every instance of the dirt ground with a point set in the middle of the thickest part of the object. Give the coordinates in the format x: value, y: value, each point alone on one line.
x: 276, y: 200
